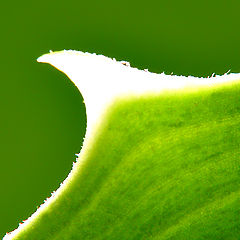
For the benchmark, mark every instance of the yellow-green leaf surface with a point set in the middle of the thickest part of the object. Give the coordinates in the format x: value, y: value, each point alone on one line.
x: 160, y: 158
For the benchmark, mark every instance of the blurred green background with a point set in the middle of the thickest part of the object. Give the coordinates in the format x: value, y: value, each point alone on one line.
x: 42, y: 121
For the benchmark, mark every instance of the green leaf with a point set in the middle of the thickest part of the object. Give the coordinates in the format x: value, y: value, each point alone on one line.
x: 160, y: 159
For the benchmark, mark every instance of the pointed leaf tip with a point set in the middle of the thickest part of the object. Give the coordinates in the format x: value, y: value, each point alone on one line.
x: 43, y: 58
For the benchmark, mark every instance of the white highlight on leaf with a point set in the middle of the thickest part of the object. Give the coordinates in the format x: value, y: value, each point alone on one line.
x: 101, y: 79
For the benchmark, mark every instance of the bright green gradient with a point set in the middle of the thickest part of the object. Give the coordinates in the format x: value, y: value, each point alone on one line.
x: 163, y: 167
